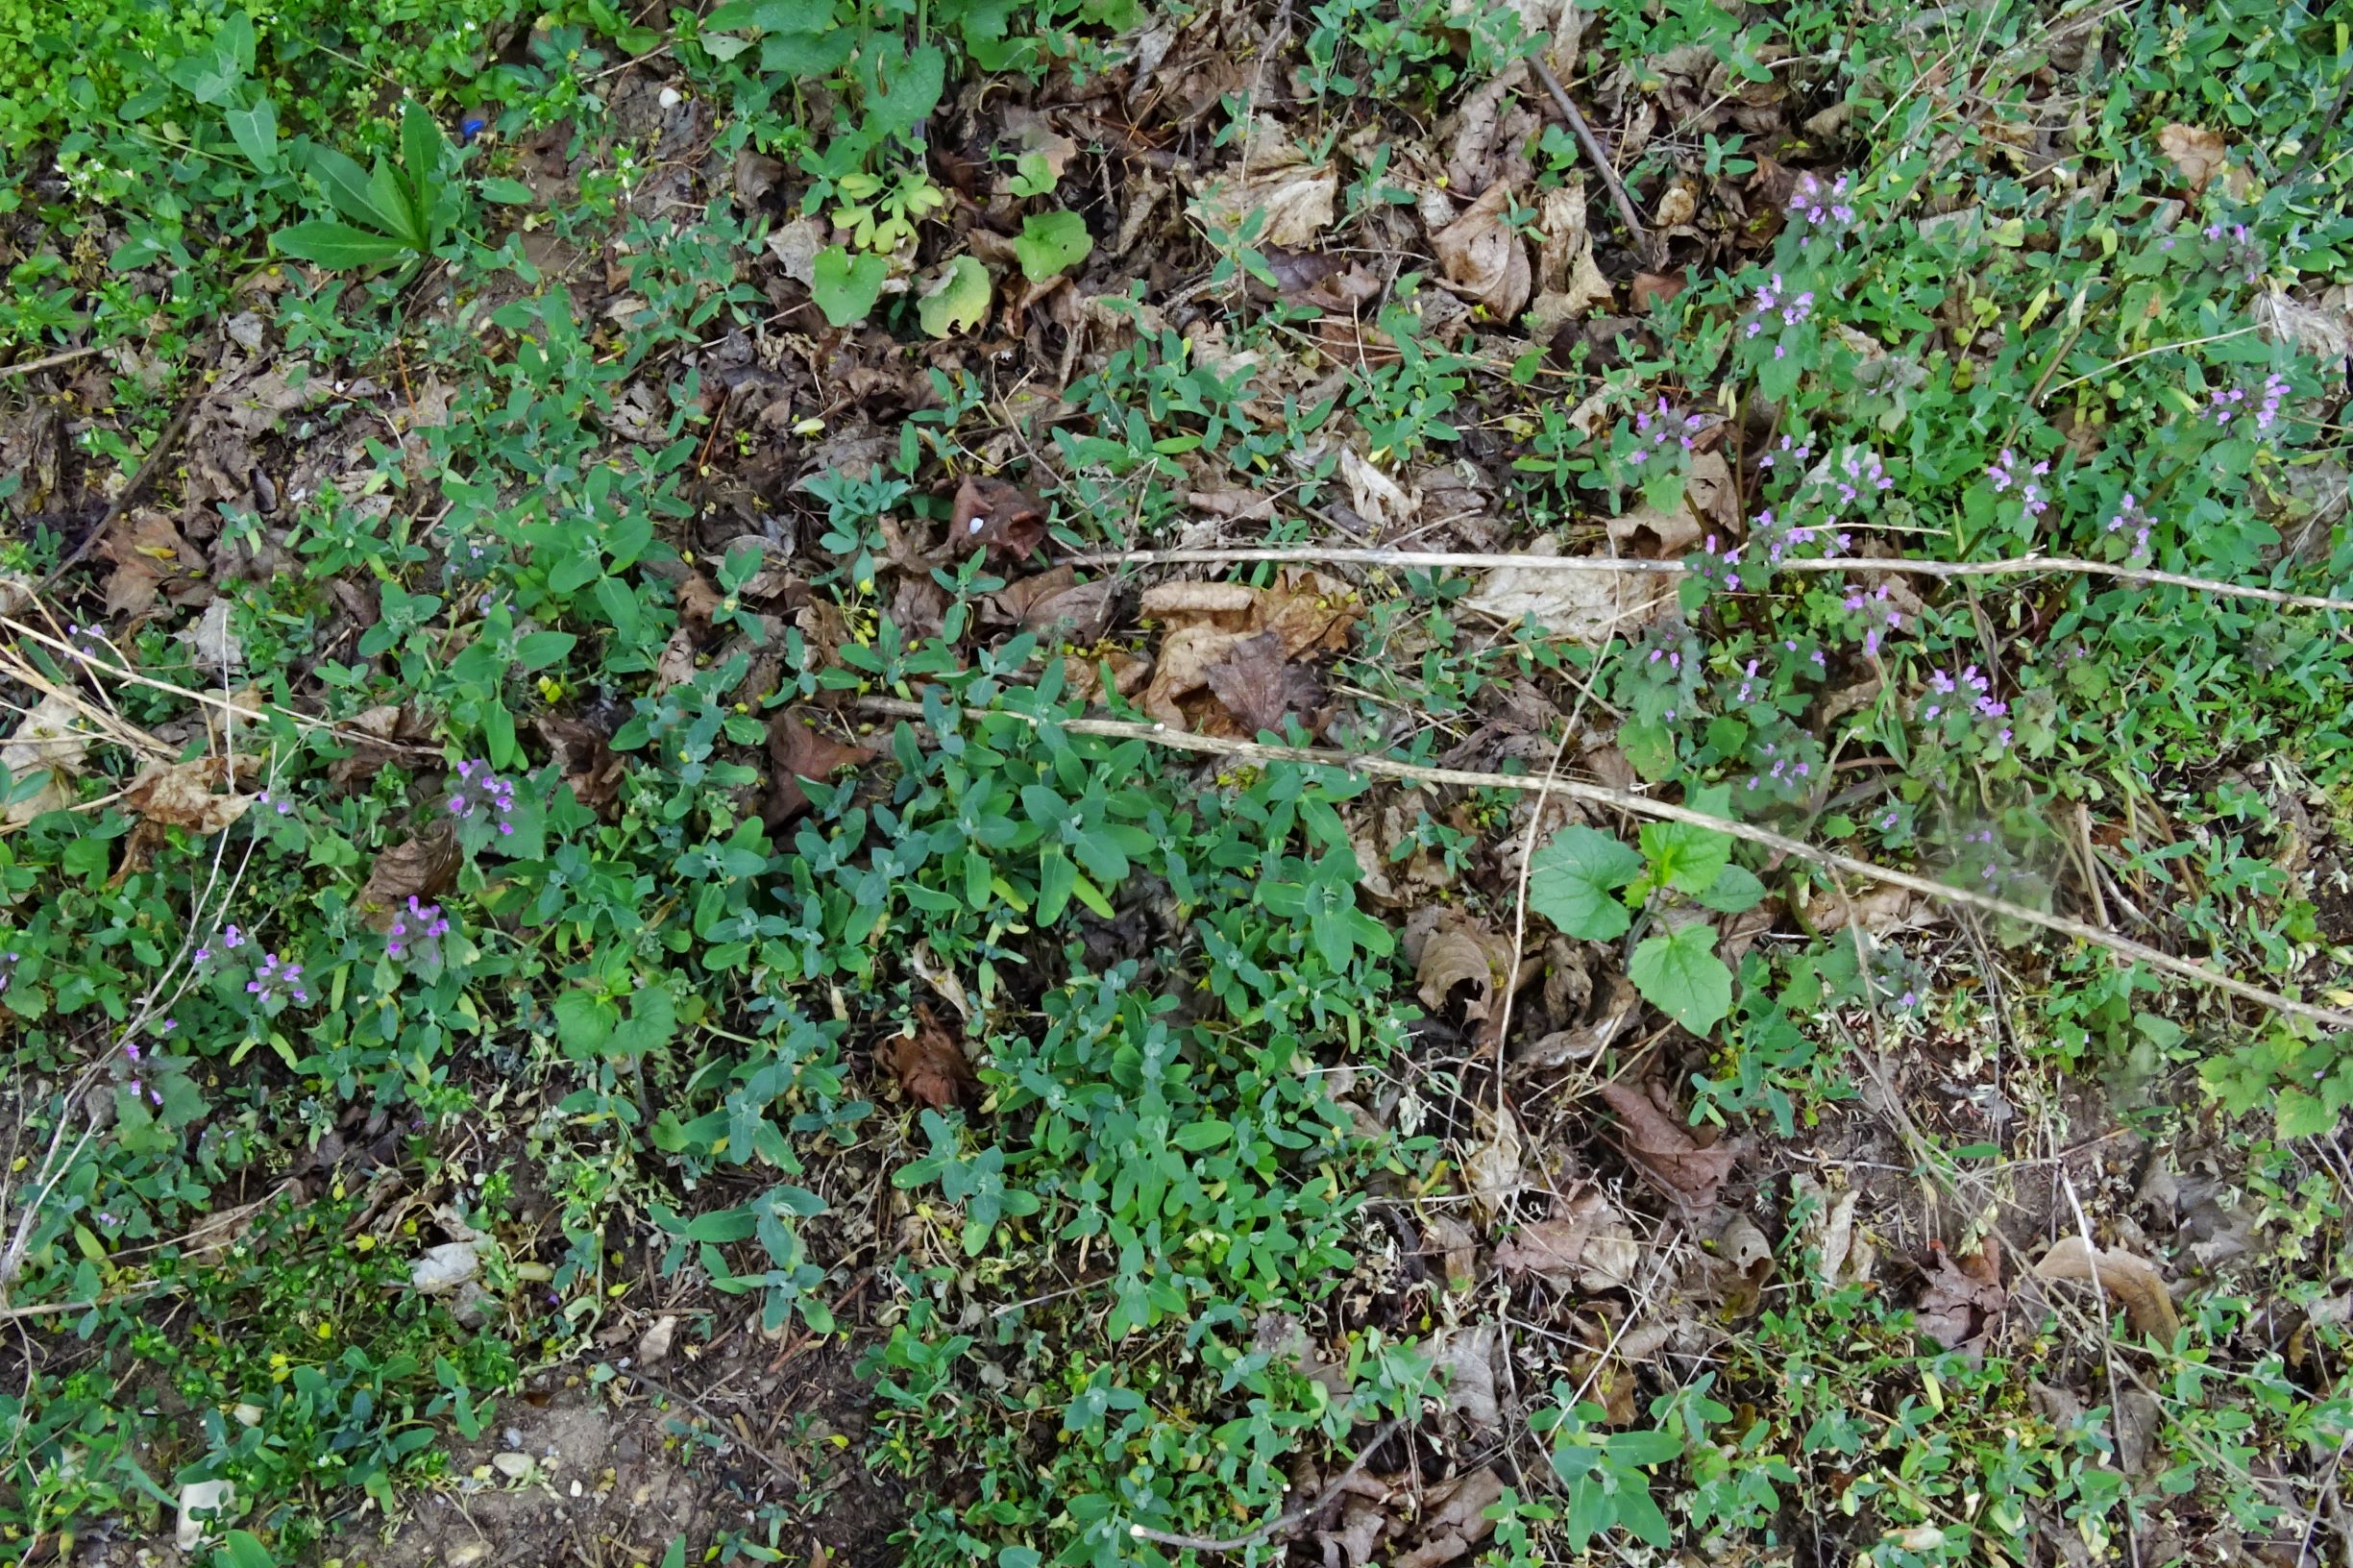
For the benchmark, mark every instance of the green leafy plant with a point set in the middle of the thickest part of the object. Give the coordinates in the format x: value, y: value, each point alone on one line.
x: 397, y: 211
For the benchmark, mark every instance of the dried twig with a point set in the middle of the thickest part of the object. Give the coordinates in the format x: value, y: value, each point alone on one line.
x: 1660, y: 810
x: 1653, y: 251
x: 145, y: 472
x: 1465, y: 560
x: 63, y: 356
x: 1283, y: 1521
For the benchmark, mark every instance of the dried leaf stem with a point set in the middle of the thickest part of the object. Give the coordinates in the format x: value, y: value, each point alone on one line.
x: 1663, y: 811
x: 1465, y: 560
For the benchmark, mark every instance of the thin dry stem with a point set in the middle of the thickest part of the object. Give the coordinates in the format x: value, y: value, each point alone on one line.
x: 1663, y: 811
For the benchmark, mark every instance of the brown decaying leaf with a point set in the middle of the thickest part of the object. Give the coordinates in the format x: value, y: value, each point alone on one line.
x: 1665, y: 1149
x: 1467, y: 1356
x: 1275, y: 177
x: 1483, y: 259
x: 591, y: 767
x: 1962, y: 1301
x: 1262, y: 689
x: 998, y: 515
x: 797, y: 751
x: 147, y: 554
x: 1588, y: 608
x: 1453, y: 1519
x: 2131, y: 1280
x: 1055, y: 601
x: 1306, y: 613
x: 179, y: 795
x: 2198, y: 155
x: 1586, y: 1245
x: 930, y: 1063
x: 52, y: 739
x: 421, y: 867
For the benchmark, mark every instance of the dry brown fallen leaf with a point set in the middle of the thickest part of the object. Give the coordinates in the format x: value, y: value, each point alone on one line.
x: 179, y: 795
x: 998, y: 515
x: 421, y: 868
x: 1962, y: 1301
x: 52, y: 739
x: 1453, y: 1519
x: 1665, y: 1149
x: 591, y: 767
x: 149, y: 555
x: 1567, y: 283
x: 796, y: 752
x: 1374, y: 496
x: 2131, y: 1280
x: 2198, y: 155
x: 1467, y: 1356
x: 1588, y: 608
x: 930, y: 1063
x: 1586, y: 1246
x: 1307, y: 613
x: 1276, y: 178
x: 1055, y: 601
x: 1491, y: 1172
x: 1483, y: 259
x: 1262, y: 689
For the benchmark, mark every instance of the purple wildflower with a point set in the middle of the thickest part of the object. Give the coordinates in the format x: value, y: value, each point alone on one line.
x: 478, y: 788
x: 415, y: 927
x: 275, y: 975
x: 1823, y: 206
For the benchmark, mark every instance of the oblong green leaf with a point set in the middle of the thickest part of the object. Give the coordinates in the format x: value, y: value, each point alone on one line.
x: 332, y: 244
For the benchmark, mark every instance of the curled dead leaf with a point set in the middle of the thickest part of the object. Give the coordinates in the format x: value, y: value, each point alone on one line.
x: 2198, y: 155
x: 1962, y: 1301
x: 1589, y: 608
x: 1587, y: 1246
x: 1262, y: 689
x: 796, y: 752
x: 1482, y: 259
x: 1689, y: 1172
x: 1277, y: 179
x: 931, y: 1065
x: 591, y: 767
x: 421, y: 867
x: 998, y: 515
x: 52, y: 739
x: 181, y: 794
x: 2131, y: 1280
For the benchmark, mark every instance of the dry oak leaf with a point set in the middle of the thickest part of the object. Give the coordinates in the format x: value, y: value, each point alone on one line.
x: 179, y: 795
x: 1276, y: 178
x: 930, y: 1063
x: 1962, y: 1301
x: 52, y: 739
x: 591, y: 767
x: 996, y: 514
x: 795, y: 752
x: 417, y: 867
x: 1587, y: 1246
x: 2198, y: 155
x: 2131, y: 1280
x: 1261, y: 688
x: 1665, y: 1149
x: 1306, y: 613
x: 1589, y: 608
x: 1483, y: 259
x: 1568, y: 282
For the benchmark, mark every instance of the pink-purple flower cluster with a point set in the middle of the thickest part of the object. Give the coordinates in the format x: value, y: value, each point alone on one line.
x: 1665, y: 428
x: 1820, y: 203
x: 1968, y: 693
x: 2004, y: 474
x: 1717, y: 568
x: 1773, y: 299
x: 1788, y: 450
x: 1789, y: 771
x: 1881, y: 615
x: 230, y: 940
x: 1781, y: 539
x: 2229, y: 404
x: 479, y: 789
x: 274, y: 974
x: 416, y: 930
x: 2130, y: 517
x: 2242, y: 252
x: 8, y: 968
x: 1857, y: 471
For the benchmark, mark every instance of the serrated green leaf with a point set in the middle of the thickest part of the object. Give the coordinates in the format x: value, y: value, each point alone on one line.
x: 1682, y: 977
x: 1685, y: 858
x: 2301, y: 1115
x: 845, y: 286
x: 957, y: 301
x: 1572, y: 883
x: 1051, y: 243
